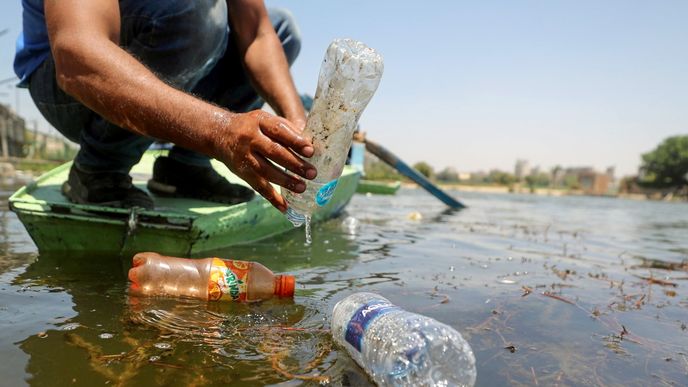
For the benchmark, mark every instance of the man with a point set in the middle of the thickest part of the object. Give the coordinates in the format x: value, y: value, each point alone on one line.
x: 113, y: 75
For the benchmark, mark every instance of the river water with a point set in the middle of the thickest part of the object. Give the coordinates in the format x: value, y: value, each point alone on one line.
x: 547, y: 290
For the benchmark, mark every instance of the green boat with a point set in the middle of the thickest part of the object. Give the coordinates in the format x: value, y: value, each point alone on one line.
x: 182, y: 227
x: 378, y: 187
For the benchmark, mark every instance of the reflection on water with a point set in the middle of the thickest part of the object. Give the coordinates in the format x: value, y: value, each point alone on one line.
x: 546, y: 290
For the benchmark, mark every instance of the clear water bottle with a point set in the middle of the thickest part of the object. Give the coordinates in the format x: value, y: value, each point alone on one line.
x: 400, y: 348
x: 349, y: 76
x: 212, y: 279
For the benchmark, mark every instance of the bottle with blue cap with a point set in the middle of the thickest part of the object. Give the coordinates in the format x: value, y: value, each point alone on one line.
x: 399, y: 348
x: 349, y: 76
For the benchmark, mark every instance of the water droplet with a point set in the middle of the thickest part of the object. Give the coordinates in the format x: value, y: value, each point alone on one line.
x: 162, y: 345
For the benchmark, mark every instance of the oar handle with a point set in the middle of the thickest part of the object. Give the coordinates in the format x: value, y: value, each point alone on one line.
x: 403, y: 168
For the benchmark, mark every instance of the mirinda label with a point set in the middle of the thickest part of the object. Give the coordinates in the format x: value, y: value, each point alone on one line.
x: 228, y: 280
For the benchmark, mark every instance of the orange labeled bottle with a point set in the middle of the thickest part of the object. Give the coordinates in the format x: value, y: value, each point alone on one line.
x: 212, y: 279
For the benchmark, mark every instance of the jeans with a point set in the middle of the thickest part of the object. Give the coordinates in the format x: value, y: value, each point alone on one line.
x: 189, y: 45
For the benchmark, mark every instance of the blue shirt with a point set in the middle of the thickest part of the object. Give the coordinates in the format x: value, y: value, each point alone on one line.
x: 33, y: 46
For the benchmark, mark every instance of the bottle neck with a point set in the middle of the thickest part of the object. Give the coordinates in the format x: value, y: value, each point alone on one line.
x: 296, y: 218
x: 284, y: 285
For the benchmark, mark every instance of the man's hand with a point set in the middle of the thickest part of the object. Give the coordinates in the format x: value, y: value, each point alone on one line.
x: 251, y: 140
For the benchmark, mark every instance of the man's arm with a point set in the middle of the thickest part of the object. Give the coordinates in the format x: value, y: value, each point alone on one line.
x: 264, y: 59
x: 91, y: 67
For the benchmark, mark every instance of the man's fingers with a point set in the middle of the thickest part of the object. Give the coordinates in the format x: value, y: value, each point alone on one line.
x: 287, y: 159
x: 269, y: 192
x: 259, y: 173
x: 265, y: 189
x: 275, y: 175
x: 279, y: 129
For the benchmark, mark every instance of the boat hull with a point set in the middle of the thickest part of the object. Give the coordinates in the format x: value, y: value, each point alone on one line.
x: 177, y: 226
x: 378, y: 187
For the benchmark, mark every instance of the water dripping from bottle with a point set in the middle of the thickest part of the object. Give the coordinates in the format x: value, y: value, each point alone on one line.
x: 307, y: 223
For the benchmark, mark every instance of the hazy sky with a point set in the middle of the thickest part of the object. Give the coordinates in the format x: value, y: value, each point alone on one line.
x: 477, y: 84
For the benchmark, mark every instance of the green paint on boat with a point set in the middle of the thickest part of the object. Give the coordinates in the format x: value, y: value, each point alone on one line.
x: 378, y: 187
x: 184, y: 227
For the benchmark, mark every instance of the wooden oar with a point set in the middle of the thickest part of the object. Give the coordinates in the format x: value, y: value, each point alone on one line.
x: 403, y: 168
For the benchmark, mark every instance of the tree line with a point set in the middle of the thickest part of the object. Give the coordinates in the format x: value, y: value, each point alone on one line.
x: 665, y: 167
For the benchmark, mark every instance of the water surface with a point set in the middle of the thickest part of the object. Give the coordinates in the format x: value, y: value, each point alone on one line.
x: 548, y: 291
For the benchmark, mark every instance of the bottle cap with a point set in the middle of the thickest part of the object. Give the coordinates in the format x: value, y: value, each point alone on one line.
x: 284, y: 286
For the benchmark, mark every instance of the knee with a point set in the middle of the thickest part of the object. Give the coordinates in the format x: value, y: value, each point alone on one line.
x: 288, y: 32
x: 209, y: 17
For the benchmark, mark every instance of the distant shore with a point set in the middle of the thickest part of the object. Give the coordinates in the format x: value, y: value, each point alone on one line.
x: 501, y: 189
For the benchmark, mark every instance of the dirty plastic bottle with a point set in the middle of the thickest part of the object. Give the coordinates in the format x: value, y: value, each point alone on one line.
x: 400, y: 348
x: 349, y: 76
x: 211, y: 279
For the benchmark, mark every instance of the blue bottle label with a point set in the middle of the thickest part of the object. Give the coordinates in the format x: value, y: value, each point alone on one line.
x: 325, y: 193
x: 363, y: 317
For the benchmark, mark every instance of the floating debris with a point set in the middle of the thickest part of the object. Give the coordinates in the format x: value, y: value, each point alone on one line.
x: 556, y: 297
x: 106, y: 335
x: 70, y: 326
x: 415, y: 215
x: 649, y: 263
x: 563, y: 274
x: 162, y: 345
x: 526, y: 290
x: 657, y: 281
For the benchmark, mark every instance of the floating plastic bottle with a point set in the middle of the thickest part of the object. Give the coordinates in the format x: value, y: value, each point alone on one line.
x: 349, y: 76
x: 400, y: 348
x: 211, y: 279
